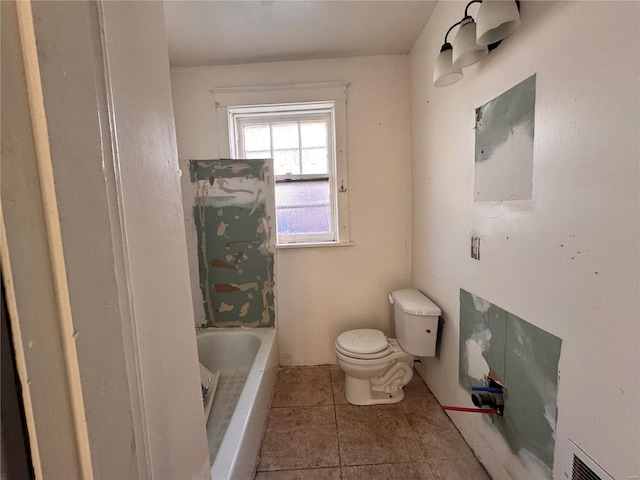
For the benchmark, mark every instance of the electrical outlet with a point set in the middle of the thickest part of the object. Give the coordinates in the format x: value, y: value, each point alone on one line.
x: 475, y: 247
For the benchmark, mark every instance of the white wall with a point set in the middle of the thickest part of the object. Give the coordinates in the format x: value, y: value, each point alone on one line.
x: 107, y: 353
x: 157, y: 266
x: 321, y: 292
x: 567, y: 260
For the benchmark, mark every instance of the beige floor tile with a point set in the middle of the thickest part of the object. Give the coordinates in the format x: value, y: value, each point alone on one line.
x: 458, y: 469
x: 416, y: 388
x: 337, y: 380
x: 448, y: 446
x: 302, y: 387
x: 437, y: 435
x: 298, y: 438
x: 395, y: 471
x: 425, y: 416
x: 370, y: 449
x: 375, y: 434
x: 372, y: 418
x: 307, y: 474
x: 306, y: 440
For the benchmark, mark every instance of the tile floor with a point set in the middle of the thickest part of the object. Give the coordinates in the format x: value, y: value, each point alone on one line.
x: 313, y: 433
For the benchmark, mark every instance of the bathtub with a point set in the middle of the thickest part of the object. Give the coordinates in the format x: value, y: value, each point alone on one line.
x: 248, y: 364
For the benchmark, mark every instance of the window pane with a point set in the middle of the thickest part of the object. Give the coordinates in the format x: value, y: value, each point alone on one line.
x: 259, y: 154
x: 314, y: 147
x: 257, y: 141
x: 286, y: 152
x: 303, y: 207
x: 314, y: 160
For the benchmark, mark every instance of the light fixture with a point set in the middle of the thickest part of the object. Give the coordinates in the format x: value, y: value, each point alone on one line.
x: 445, y: 73
x: 496, y: 20
x: 466, y: 51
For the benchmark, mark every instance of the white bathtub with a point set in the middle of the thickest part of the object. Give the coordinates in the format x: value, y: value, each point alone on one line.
x: 248, y: 364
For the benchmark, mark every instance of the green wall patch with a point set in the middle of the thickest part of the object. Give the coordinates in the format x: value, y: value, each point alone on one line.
x: 526, y: 359
x: 504, y: 145
x: 214, y: 169
x: 234, y: 215
x: 482, y: 339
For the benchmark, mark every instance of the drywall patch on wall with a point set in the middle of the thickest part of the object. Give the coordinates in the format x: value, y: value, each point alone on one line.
x: 526, y: 359
x: 233, y: 215
x: 504, y: 145
x: 482, y: 339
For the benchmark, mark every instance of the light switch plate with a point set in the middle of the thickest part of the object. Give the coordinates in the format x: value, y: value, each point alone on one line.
x: 475, y: 247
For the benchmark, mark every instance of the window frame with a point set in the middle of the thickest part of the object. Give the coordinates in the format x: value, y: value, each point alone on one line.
x: 295, y: 96
x: 298, y: 114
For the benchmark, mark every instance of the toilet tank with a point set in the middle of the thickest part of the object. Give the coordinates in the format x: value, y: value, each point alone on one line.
x: 416, y: 319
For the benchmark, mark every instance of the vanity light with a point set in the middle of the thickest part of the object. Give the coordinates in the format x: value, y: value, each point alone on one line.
x: 445, y: 73
x: 496, y: 20
x: 466, y: 51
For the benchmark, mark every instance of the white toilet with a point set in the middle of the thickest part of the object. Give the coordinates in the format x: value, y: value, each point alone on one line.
x: 376, y: 367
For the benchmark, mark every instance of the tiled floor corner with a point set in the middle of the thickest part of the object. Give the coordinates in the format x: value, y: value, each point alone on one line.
x: 313, y: 433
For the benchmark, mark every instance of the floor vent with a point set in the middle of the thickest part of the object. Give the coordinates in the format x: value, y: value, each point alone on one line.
x: 582, y: 472
x: 585, y: 467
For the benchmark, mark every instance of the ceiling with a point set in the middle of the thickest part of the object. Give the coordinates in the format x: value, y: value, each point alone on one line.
x: 213, y: 32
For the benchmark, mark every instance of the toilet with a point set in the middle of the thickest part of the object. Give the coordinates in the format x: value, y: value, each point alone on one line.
x: 376, y: 367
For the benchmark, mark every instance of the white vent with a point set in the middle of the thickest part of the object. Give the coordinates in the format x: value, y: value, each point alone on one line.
x: 582, y: 472
x: 585, y: 468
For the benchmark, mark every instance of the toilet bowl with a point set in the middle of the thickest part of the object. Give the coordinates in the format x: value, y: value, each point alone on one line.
x: 379, y: 377
x: 377, y: 367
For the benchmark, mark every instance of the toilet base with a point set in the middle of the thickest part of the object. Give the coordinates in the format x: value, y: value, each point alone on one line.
x: 383, y: 388
x: 359, y: 392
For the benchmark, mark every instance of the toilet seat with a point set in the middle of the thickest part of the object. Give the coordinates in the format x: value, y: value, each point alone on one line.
x: 364, y: 344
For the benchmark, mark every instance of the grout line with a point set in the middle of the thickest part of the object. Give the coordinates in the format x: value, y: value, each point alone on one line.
x: 297, y: 469
x: 266, y: 427
x: 335, y: 417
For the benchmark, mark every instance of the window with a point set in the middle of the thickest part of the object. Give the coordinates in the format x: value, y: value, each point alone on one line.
x: 301, y: 140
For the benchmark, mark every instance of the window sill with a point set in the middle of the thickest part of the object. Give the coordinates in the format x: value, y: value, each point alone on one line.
x: 287, y: 246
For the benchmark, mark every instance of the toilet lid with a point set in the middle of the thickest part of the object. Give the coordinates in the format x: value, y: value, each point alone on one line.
x: 363, y: 343
x: 365, y: 356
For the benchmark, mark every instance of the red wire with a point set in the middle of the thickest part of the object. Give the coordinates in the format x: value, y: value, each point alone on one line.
x: 488, y: 411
